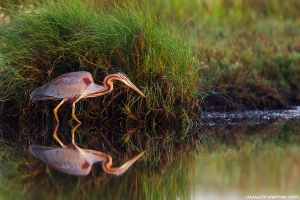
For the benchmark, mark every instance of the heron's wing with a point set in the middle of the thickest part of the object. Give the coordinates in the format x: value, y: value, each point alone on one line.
x: 65, y: 86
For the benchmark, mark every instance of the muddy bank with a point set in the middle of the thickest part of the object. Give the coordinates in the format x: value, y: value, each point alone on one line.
x: 251, y: 117
x: 236, y: 100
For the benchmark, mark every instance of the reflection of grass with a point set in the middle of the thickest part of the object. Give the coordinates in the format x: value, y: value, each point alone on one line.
x: 27, y: 176
x: 160, y: 173
x: 257, y: 160
x: 268, y: 168
x: 244, y: 159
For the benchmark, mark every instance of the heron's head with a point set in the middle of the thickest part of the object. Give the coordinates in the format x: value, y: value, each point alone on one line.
x: 122, y: 77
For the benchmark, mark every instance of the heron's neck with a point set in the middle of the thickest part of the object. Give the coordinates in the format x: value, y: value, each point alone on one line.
x: 95, y: 90
x: 94, y: 156
x: 108, y: 84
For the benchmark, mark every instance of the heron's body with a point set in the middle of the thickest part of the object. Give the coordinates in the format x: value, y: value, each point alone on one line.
x: 73, y: 86
x: 76, y: 161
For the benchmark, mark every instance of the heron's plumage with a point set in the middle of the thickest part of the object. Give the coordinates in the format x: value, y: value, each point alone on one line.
x: 68, y: 85
x: 65, y: 160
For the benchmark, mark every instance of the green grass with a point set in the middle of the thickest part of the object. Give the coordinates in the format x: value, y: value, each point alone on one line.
x: 53, y: 39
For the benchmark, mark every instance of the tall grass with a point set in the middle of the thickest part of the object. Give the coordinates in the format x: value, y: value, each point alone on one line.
x: 53, y: 38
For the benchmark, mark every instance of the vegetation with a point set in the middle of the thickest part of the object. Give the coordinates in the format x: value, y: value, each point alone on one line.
x: 51, y: 39
x: 249, y: 50
x: 237, y: 54
x: 218, y: 54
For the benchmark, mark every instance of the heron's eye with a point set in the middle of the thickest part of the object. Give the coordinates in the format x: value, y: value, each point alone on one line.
x: 124, y: 76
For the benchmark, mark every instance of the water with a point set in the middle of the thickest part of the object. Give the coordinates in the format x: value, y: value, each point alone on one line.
x: 240, y: 160
x: 229, y: 156
x: 251, y: 116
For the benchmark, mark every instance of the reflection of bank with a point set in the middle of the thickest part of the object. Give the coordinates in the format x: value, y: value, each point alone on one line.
x: 76, y: 161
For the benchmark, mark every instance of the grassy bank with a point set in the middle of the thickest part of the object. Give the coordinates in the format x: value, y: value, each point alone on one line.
x: 237, y: 54
x: 249, y: 50
x: 50, y: 39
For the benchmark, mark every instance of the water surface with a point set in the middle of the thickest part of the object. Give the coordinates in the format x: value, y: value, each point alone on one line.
x: 220, y: 158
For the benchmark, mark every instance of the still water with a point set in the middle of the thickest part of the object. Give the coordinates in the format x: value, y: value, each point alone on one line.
x: 226, y: 156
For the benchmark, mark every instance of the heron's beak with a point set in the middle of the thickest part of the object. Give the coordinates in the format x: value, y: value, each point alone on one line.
x: 128, y: 164
x: 130, y: 84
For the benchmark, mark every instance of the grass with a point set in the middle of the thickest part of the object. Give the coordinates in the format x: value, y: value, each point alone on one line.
x: 53, y: 39
x: 257, y: 56
x: 247, y: 50
x: 260, y: 67
x: 250, y: 55
x: 177, y: 53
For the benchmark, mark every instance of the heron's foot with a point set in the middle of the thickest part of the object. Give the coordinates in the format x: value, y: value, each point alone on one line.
x: 60, y: 142
x: 77, y: 120
x: 71, y: 121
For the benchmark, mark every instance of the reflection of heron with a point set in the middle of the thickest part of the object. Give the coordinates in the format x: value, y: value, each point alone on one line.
x: 76, y: 161
x: 73, y: 86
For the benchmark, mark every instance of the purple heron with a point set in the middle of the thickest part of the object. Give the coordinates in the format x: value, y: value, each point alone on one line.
x: 73, y: 86
x: 76, y: 161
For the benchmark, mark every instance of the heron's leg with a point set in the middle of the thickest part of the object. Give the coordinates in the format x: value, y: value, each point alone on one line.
x: 57, y: 107
x: 73, y: 133
x: 73, y: 113
x: 57, y: 139
x: 57, y: 124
